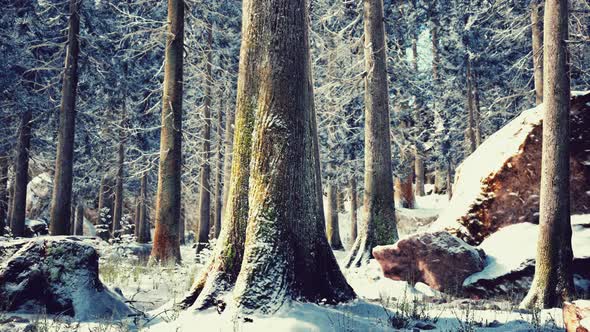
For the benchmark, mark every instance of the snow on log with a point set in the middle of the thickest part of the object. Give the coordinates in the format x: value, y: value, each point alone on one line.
x: 55, y: 275
x: 498, y: 185
x: 576, y: 316
x: 439, y: 259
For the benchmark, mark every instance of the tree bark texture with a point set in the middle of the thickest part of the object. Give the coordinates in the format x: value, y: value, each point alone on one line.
x: 379, y: 224
x: 278, y: 192
x: 537, y: 36
x: 205, y: 189
x: 21, y: 177
x: 553, y: 281
x: 166, y: 246
x: 219, y: 175
x: 64, y: 162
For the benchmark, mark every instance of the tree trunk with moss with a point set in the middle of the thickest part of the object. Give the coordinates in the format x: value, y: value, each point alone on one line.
x: 166, y: 247
x: 205, y: 188
x: 553, y: 281
x: 21, y: 176
x: 537, y: 37
x: 332, y: 225
x: 64, y: 161
x: 287, y: 255
x: 379, y: 224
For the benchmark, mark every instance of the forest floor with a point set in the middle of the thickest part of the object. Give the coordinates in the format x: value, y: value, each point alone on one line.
x: 383, y: 304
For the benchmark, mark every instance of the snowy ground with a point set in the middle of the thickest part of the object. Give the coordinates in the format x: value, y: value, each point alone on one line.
x: 383, y: 304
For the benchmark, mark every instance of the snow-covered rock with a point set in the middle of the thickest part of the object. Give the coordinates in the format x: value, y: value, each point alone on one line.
x: 498, y: 184
x: 509, y: 270
x: 438, y: 259
x: 576, y: 316
x: 410, y: 221
x: 56, y: 275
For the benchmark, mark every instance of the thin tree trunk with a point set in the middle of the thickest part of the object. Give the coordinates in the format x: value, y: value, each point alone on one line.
x: 379, y: 224
x: 10, y: 200
x: 298, y: 262
x: 205, y: 189
x: 537, y: 36
x: 227, y: 155
x: 476, y: 110
x: 181, y: 228
x: 449, y: 179
x: 404, y: 192
x: 64, y: 162
x: 218, y: 172
x: 21, y: 178
x: 105, y: 207
x: 79, y: 229
x: 136, y: 218
x: 144, y: 227
x: 353, y: 208
x: 118, y: 209
x: 470, y: 131
x: 553, y: 281
x: 166, y: 247
x: 332, y: 225
x: 420, y: 176
x: 3, y: 193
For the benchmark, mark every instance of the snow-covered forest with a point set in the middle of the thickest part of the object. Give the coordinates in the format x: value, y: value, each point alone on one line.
x: 295, y: 165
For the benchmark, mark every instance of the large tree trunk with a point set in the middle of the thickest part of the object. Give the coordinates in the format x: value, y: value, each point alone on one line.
x: 287, y: 254
x: 332, y: 226
x: 353, y: 208
x: 218, y: 173
x: 118, y: 212
x: 64, y: 161
x: 379, y: 224
x: 3, y: 193
x: 166, y: 247
x: 205, y: 189
x: 21, y: 178
x: 144, y: 227
x: 553, y: 280
x: 105, y: 207
x: 537, y: 50
x: 79, y: 226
